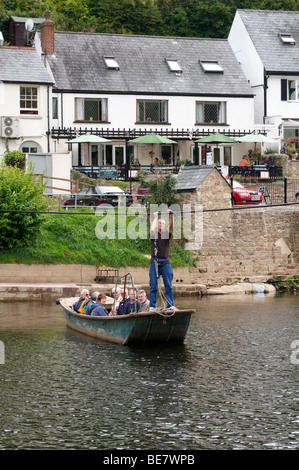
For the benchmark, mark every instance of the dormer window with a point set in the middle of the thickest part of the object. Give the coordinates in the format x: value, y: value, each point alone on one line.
x: 211, y: 66
x: 174, y: 66
x: 111, y: 63
x: 287, y: 38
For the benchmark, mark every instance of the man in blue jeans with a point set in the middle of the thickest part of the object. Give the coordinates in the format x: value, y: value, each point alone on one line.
x: 160, y: 264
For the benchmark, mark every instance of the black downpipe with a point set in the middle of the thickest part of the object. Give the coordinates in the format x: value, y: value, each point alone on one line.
x: 48, y: 117
x: 265, y: 95
x: 196, y: 156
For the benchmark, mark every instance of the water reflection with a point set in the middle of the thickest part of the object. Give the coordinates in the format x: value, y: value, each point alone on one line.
x: 229, y: 386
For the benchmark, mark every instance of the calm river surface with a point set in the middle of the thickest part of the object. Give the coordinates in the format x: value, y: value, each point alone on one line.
x: 231, y: 385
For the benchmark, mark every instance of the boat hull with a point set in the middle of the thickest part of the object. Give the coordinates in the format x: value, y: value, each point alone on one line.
x: 135, y: 328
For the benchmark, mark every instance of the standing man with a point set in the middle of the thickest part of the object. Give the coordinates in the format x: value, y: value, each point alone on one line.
x: 160, y: 264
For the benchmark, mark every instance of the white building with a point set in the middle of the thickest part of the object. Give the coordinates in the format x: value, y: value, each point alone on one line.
x: 266, y: 45
x: 25, y: 88
x: 119, y: 86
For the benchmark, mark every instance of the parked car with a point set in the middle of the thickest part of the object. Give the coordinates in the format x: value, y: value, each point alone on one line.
x: 142, y: 190
x: 97, y: 195
x: 242, y: 195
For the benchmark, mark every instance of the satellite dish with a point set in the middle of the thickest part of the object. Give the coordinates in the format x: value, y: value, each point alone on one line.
x: 29, y: 25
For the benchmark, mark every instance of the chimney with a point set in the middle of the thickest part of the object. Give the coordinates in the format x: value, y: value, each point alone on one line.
x: 47, y: 35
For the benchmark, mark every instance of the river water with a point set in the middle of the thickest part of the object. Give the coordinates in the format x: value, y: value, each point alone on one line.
x: 232, y: 385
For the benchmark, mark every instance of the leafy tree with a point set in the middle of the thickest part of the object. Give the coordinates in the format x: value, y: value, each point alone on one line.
x: 192, y: 18
x: 162, y: 190
x: 20, y: 191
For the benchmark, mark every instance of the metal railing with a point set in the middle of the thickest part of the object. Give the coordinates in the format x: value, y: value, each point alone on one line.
x: 255, y: 171
x: 274, y: 190
x: 131, y: 173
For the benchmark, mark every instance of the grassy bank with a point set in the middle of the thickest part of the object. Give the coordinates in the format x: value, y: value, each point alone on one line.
x: 68, y: 238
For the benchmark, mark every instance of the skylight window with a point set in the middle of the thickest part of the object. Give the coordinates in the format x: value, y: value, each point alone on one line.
x: 173, y: 65
x: 287, y: 38
x: 111, y: 63
x: 211, y: 66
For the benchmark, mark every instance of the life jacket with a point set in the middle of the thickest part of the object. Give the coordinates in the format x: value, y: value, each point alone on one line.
x: 81, y: 305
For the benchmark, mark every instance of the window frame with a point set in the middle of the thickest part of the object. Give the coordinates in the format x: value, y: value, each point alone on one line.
x: 221, y: 111
x: 211, y: 66
x: 296, y: 90
x: 111, y: 63
x: 80, y: 109
x: 54, y: 107
x: 24, y: 97
x: 162, y: 103
x: 287, y: 38
x: 174, y: 66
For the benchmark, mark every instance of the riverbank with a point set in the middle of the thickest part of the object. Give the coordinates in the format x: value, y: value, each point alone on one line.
x: 47, y: 282
x: 39, y: 291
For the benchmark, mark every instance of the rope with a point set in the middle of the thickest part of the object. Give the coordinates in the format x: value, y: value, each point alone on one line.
x: 234, y: 208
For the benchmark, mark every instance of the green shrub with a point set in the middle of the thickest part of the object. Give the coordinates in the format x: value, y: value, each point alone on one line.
x: 162, y: 190
x: 20, y: 191
x: 15, y: 158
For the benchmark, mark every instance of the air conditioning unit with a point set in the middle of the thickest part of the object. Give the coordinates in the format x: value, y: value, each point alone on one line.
x: 10, y: 127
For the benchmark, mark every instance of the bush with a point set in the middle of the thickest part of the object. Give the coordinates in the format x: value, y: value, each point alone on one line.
x: 20, y: 191
x: 15, y: 158
x: 162, y: 190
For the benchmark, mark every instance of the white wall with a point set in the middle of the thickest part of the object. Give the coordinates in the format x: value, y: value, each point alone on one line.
x: 32, y: 127
x: 181, y: 115
x: 55, y: 165
x: 287, y: 109
x: 245, y: 52
x: 250, y: 62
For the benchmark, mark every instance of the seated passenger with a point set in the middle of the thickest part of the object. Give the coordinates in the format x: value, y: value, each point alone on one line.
x: 144, y: 302
x: 93, y: 303
x: 99, y: 310
x: 133, y: 305
x: 124, y: 301
x: 80, y: 305
x: 245, y: 161
x: 118, y: 298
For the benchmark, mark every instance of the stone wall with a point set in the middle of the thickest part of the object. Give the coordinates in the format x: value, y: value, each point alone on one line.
x: 291, y: 169
x: 14, y: 274
x: 251, y: 243
x: 239, y: 243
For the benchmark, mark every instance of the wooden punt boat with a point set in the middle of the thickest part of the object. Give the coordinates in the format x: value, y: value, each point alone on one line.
x: 136, y: 328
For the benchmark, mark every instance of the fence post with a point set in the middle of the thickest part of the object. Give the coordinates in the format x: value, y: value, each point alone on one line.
x: 285, y: 190
x: 231, y: 186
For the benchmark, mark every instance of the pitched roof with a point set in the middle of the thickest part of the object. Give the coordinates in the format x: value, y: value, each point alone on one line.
x: 78, y: 65
x: 264, y: 27
x: 21, y: 19
x: 22, y: 65
x: 190, y: 177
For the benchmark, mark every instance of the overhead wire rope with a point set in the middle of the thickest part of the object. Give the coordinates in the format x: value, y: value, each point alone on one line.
x: 221, y: 209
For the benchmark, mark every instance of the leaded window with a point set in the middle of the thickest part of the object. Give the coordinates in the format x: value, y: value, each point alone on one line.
x: 91, y: 109
x: 152, y: 111
x: 210, y: 112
